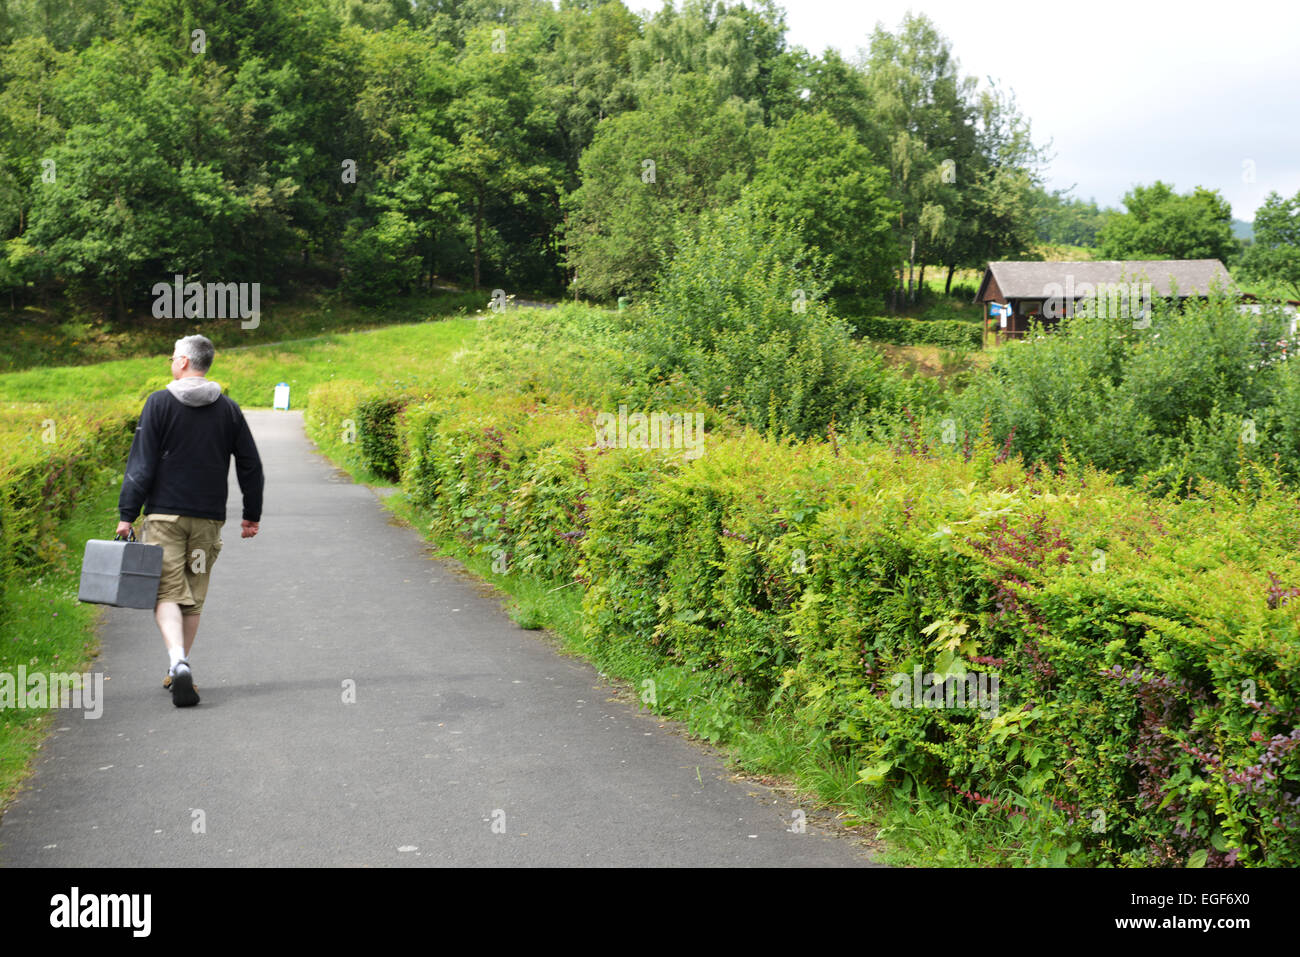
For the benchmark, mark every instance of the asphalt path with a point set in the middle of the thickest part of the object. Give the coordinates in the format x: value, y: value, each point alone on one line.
x: 367, y: 704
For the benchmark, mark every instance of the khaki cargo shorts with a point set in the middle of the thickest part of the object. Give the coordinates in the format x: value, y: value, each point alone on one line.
x: 190, y: 548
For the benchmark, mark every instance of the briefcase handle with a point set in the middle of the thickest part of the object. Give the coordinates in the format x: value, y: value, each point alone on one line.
x: 118, y: 537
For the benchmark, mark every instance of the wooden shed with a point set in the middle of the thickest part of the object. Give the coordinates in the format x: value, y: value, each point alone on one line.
x: 1015, y: 294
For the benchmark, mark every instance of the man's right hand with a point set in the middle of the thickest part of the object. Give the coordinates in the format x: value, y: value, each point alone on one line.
x: 247, y: 529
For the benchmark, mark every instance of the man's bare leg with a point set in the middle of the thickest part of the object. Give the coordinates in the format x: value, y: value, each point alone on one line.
x: 191, y: 627
x: 167, y: 614
x: 178, y: 635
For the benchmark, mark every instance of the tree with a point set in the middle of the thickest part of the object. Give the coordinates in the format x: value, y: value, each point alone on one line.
x: 401, y: 143
x: 588, y: 73
x: 1274, y: 257
x: 1067, y: 221
x: 1161, y: 224
x: 818, y: 175
x: 29, y: 127
x: 995, y: 215
x: 739, y: 49
x: 134, y: 194
x: 923, y: 124
x: 678, y: 155
x: 63, y: 25
x: 838, y: 88
x: 500, y: 126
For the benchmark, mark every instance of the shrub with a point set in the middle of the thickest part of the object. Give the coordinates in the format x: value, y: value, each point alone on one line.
x: 53, y: 454
x: 1188, y: 397
x: 506, y: 475
x: 378, y: 438
x: 331, y: 419
x: 901, y: 330
x: 738, y: 312
x: 1109, y: 621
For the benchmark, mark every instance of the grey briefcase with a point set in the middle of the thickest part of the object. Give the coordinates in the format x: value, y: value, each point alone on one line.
x: 121, y: 573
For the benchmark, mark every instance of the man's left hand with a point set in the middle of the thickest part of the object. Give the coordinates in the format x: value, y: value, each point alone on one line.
x: 124, y: 529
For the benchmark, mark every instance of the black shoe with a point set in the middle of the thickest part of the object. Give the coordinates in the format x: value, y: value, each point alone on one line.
x: 183, y: 693
x: 167, y: 682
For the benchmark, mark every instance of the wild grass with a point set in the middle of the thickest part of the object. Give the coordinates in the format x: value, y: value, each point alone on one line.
x: 399, y: 355
x: 43, y: 338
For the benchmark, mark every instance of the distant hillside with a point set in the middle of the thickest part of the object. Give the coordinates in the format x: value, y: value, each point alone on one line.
x: 1242, y: 229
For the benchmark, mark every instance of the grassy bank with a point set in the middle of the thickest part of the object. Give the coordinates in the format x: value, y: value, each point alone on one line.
x: 398, y: 355
x: 41, y: 338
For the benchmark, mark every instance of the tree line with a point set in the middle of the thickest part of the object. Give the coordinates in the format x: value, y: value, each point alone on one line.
x: 386, y: 146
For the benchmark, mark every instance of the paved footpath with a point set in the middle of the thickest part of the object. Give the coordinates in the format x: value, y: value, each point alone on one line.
x: 463, y: 724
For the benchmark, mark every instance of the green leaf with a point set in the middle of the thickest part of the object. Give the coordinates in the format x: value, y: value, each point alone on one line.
x: 875, y: 773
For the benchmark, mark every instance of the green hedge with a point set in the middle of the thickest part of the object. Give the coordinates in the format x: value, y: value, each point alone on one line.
x: 952, y: 333
x: 504, y: 475
x: 1125, y: 637
x: 380, y: 445
x: 1146, y: 651
x: 331, y: 419
x: 51, y: 454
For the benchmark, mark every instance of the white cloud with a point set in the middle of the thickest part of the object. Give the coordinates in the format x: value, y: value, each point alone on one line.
x: 1129, y: 92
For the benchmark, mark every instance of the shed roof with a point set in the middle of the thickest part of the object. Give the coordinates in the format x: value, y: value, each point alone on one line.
x: 1031, y: 280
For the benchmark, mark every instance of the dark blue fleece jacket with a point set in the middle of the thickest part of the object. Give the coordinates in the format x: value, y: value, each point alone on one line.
x: 180, y: 456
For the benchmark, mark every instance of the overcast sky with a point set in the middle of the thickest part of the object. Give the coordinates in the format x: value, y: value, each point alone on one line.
x: 1128, y: 92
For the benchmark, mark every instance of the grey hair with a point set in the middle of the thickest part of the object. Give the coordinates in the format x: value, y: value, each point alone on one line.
x: 199, y: 350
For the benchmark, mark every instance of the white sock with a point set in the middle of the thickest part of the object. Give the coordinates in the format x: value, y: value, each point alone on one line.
x: 175, y: 656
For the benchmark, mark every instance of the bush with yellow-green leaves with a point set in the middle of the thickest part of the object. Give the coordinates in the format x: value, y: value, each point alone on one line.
x: 49, y: 455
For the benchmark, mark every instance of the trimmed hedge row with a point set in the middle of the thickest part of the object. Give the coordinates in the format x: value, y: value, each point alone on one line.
x: 952, y: 333
x: 330, y: 418
x: 506, y: 476
x: 51, y: 456
x: 1145, y: 651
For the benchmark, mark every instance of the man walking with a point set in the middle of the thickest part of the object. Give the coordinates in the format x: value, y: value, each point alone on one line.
x: 176, y: 472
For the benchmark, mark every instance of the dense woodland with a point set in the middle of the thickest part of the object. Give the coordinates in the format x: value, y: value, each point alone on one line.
x: 385, y: 146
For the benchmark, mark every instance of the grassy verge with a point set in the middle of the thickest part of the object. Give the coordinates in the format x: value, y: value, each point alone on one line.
x: 37, y: 337
x: 400, y: 355
x: 46, y: 629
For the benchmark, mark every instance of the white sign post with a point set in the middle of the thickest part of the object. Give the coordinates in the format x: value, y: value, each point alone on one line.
x: 281, y: 397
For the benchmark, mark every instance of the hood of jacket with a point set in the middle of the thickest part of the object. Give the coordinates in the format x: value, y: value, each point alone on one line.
x: 195, y: 390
